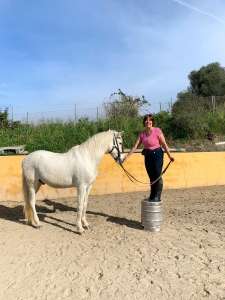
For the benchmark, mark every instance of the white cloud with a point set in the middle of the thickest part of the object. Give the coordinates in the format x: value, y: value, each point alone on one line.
x: 200, y: 11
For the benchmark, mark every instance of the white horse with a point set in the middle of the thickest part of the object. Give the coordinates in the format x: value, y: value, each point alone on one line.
x: 75, y: 168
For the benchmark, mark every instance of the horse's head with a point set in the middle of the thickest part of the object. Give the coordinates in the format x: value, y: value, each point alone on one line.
x: 116, y: 147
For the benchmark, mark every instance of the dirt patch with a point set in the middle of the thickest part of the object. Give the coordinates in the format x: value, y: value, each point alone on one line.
x: 116, y: 259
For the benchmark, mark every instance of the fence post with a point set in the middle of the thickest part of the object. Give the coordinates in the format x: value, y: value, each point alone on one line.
x: 213, y: 98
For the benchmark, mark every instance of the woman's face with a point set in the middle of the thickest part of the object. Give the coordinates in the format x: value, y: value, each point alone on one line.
x: 148, y: 123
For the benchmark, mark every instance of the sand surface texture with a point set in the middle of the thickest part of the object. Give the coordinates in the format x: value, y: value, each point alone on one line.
x: 116, y: 259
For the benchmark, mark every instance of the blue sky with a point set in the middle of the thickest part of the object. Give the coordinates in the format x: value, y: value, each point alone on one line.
x: 58, y: 53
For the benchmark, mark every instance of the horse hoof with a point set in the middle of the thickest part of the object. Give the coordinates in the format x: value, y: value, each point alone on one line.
x: 87, y: 227
x: 80, y: 231
x: 36, y: 226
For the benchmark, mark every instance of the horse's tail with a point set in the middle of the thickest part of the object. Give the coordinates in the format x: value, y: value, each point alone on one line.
x: 27, y: 206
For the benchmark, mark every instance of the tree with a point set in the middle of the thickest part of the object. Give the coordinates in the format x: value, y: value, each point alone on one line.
x: 4, y: 122
x: 208, y: 81
x: 124, y: 105
x: 193, y: 108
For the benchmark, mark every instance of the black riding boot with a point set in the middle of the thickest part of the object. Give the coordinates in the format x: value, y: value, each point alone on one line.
x: 156, y: 196
x: 153, y: 192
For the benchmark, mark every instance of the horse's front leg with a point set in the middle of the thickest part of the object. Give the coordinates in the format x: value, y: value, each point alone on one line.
x: 81, y: 191
x: 83, y: 218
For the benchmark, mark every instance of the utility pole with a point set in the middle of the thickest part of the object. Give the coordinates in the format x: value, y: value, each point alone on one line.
x: 160, y: 106
x: 97, y: 114
x: 12, y: 114
x: 75, y: 113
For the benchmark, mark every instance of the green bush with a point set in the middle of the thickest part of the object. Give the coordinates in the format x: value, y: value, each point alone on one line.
x: 60, y: 137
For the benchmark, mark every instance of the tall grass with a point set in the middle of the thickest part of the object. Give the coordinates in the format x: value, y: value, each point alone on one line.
x: 60, y: 137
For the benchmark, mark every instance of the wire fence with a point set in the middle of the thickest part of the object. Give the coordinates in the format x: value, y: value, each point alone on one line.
x: 66, y: 113
x: 74, y: 112
x: 195, y: 104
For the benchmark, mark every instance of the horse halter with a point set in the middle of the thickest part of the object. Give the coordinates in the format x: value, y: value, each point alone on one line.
x: 116, y: 146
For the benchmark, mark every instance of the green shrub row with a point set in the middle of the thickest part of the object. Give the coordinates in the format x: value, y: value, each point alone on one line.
x: 60, y: 137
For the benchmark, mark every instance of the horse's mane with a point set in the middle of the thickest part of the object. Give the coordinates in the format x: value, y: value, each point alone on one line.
x: 96, y: 141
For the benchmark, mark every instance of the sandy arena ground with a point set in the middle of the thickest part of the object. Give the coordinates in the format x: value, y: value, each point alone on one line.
x: 116, y: 259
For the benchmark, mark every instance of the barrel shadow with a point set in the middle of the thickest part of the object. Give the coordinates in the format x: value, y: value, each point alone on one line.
x: 127, y: 222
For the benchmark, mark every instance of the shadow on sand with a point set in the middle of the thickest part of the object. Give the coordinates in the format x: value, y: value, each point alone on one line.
x: 15, y: 214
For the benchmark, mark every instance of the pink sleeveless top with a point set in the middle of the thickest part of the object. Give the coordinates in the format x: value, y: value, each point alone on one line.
x: 151, y: 141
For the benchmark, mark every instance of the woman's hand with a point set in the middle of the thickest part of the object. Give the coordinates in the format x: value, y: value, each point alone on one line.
x: 171, y: 158
x: 123, y: 157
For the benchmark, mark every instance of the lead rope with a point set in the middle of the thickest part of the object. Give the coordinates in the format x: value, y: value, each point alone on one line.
x: 133, y: 179
x: 129, y: 175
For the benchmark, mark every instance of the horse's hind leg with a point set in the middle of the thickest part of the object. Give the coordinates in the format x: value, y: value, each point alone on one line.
x: 83, y: 218
x: 32, y: 188
x: 81, y: 191
x: 37, y: 186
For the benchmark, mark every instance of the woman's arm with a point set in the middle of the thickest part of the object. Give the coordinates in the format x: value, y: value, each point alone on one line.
x: 136, y: 145
x: 164, y: 145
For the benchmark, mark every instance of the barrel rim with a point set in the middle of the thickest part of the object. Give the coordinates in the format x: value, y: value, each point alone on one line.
x: 156, y: 203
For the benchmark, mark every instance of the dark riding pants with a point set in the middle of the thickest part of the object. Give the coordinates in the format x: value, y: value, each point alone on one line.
x: 154, y: 165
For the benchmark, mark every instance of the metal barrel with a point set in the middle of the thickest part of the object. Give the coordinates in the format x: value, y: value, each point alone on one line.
x: 151, y: 215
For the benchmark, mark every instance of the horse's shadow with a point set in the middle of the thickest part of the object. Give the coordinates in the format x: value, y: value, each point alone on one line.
x: 113, y: 219
x: 15, y: 214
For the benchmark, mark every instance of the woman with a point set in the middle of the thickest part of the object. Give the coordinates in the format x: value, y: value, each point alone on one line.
x: 153, y: 140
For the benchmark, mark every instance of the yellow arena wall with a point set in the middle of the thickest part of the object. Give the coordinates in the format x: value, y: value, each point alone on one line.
x: 188, y: 170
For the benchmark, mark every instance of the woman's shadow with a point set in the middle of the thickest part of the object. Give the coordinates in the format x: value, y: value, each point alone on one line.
x: 15, y: 214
